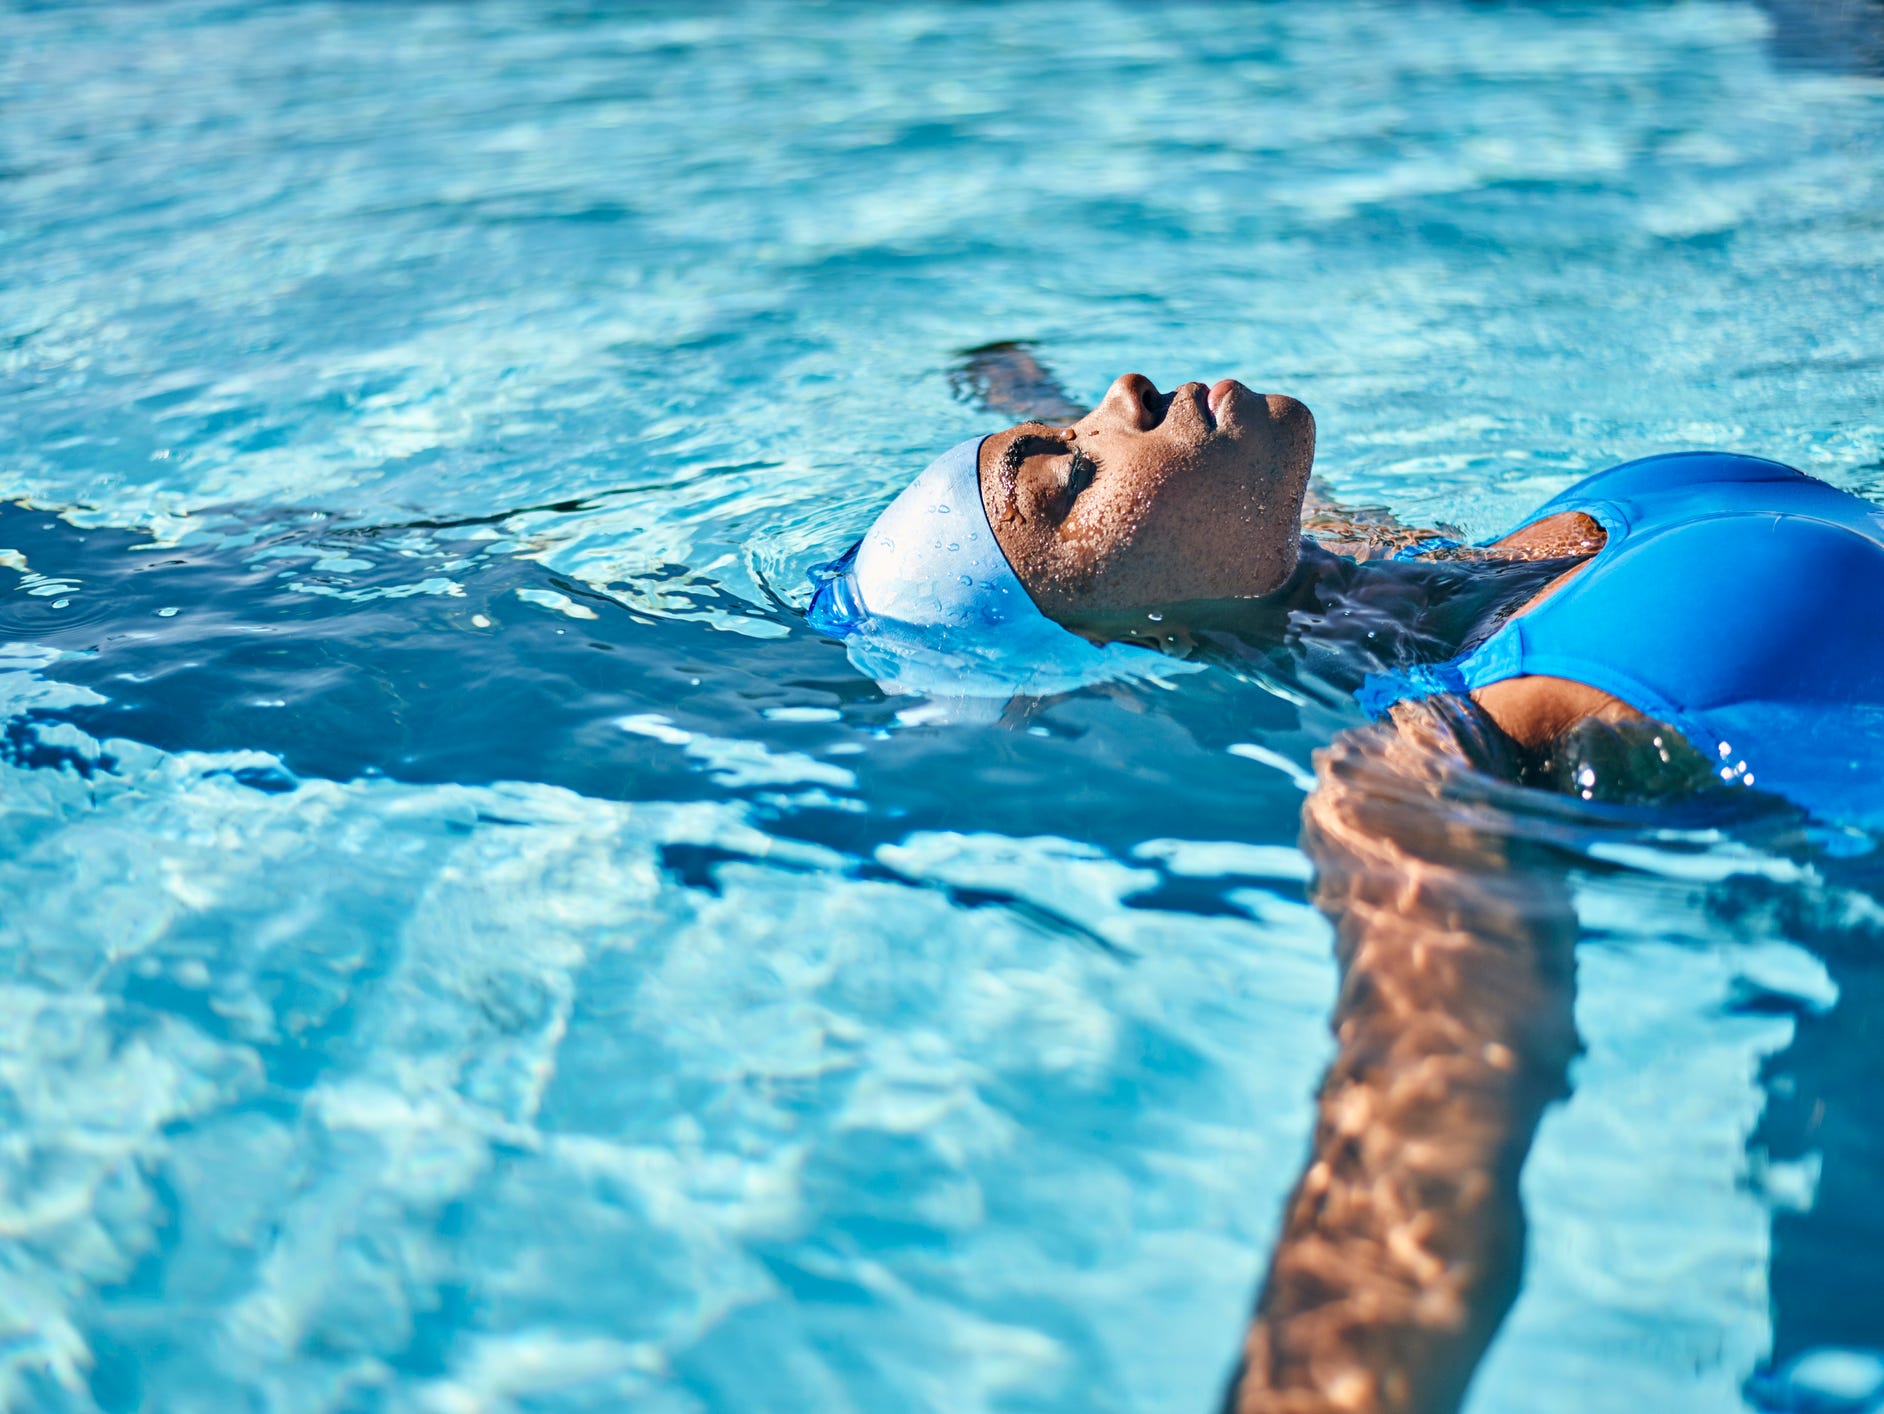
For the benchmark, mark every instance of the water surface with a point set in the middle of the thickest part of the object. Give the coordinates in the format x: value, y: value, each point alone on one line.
x: 468, y: 946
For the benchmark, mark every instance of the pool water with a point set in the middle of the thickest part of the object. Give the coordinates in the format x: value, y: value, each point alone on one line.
x: 469, y: 946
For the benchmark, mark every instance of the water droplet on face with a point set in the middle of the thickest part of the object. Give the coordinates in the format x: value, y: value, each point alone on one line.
x: 1586, y: 778
x: 941, y: 510
x: 967, y: 583
x: 1155, y: 617
x: 953, y: 547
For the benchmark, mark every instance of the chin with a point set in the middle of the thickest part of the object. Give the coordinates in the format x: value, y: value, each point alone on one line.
x: 1285, y: 409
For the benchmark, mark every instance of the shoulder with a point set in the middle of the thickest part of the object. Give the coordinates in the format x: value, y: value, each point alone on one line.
x: 1537, y: 710
x: 1563, y: 535
x: 1677, y: 484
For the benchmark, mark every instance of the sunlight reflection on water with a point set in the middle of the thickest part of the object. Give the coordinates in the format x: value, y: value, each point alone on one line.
x: 677, y: 1027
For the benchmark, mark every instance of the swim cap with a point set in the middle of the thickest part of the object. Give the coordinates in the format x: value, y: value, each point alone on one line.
x: 927, y: 601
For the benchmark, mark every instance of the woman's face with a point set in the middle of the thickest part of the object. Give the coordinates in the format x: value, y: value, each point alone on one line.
x: 1156, y: 499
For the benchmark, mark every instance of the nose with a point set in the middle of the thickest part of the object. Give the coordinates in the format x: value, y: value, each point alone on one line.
x: 1136, y: 399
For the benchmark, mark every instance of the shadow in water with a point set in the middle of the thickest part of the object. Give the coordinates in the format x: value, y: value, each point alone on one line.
x: 1820, y: 1140
x: 349, y: 652
x: 1839, y: 35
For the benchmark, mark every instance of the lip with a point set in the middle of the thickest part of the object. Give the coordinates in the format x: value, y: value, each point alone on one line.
x: 1198, y: 397
x: 1217, y: 400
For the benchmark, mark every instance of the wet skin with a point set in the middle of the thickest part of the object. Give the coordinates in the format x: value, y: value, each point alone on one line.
x: 1402, y: 1245
x: 1153, y: 499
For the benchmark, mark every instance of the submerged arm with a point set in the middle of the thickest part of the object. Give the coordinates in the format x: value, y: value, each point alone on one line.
x: 1402, y: 1243
x: 1007, y: 378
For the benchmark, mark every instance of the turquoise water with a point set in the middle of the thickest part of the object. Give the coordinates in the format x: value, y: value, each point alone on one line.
x: 410, y: 1004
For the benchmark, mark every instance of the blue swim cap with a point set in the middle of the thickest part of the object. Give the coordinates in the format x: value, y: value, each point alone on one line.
x: 927, y: 602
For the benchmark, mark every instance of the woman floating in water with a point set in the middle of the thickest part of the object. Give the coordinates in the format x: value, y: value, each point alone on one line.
x: 1695, y: 621
x: 1690, y: 623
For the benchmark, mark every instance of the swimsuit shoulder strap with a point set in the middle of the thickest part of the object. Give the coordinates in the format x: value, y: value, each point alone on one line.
x: 1678, y: 485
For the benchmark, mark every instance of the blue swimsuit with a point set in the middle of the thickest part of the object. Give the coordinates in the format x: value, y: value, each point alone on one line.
x: 1736, y: 599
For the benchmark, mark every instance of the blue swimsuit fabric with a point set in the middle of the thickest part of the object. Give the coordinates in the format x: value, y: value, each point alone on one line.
x: 1736, y: 599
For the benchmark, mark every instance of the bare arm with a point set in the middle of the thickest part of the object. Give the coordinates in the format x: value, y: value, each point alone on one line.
x: 1402, y: 1244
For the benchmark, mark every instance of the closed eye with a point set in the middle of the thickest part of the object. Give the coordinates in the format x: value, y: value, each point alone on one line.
x: 1080, y: 474
x: 1073, y: 469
